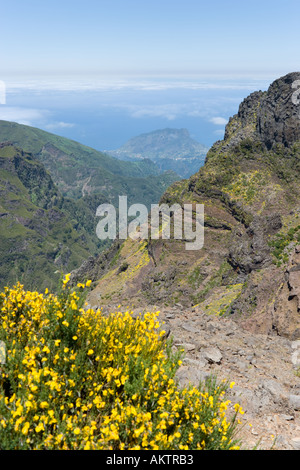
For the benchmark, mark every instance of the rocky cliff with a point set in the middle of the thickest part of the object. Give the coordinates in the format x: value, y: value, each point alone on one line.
x: 248, y: 266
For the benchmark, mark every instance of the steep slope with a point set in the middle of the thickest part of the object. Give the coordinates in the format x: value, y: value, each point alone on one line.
x: 40, y: 235
x: 250, y: 262
x: 170, y: 149
x: 78, y: 170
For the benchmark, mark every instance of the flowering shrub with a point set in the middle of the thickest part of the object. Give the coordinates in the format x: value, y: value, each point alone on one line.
x: 77, y: 379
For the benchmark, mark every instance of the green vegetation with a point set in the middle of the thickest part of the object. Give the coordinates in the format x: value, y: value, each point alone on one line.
x: 41, y: 233
x: 72, y: 379
x: 49, y: 197
x: 169, y: 149
x: 215, y: 280
x: 78, y: 170
x: 280, y: 243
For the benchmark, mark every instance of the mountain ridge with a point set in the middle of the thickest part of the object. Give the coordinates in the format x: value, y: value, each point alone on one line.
x: 74, y: 166
x: 40, y: 237
x: 251, y: 195
x: 49, y: 179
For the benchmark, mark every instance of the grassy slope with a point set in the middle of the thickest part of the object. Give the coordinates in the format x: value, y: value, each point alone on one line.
x: 241, y: 182
x: 78, y: 170
x: 38, y: 235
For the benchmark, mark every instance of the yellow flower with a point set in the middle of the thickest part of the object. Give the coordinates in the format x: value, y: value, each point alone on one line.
x: 39, y: 427
x: 66, y: 279
x: 238, y: 409
x: 25, y: 428
x: 44, y: 404
x: 88, y: 283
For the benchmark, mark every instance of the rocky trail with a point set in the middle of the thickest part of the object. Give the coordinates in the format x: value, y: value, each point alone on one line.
x: 264, y: 368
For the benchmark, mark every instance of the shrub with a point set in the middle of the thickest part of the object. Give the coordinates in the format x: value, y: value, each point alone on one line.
x: 77, y: 379
x: 281, y: 242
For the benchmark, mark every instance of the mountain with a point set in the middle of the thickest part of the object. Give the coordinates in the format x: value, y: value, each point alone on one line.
x: 249, y: 265
x: 169, y: 149
x: 50, y: 190
x: 81, y: 179
x: 78, y: 170
x: 40, y: 236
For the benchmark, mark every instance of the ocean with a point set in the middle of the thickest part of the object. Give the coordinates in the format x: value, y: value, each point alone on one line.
x: 104, y: 113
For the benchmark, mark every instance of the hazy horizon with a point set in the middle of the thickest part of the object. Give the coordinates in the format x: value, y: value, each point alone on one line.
x: 104, y: 114
x: 101, y: 72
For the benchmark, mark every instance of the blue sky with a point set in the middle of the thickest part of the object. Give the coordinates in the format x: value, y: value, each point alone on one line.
x: 103, y: 71
x: 149, y: 36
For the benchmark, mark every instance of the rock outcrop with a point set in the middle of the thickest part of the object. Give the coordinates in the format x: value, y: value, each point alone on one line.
x: 250, y: 189
x: 234, y: 305
x: 278, y: 116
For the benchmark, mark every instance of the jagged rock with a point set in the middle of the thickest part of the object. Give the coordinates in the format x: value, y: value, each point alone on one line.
x: 190, y: 328
x: 250, y: 250
x: 212, y: 355
x: 294, y: 401
x: 278, y: 115
x: 295, y: 358
x: 198, y: 363
x: 276, y: 390
x: 296, y: 443
x: 250, y: 191
x: 186, y: 346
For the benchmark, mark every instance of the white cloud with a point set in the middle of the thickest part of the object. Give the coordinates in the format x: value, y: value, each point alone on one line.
x: 59, y: 125
x: 31, y: 117
x: 20, y: 115
x: 136, y: 83
x: 219, y: 121
x: 219, y: 132
x: 167, y: 111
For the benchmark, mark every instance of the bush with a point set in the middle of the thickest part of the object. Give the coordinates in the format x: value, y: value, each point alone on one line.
x: 281, y: 242
x: 76, y: 379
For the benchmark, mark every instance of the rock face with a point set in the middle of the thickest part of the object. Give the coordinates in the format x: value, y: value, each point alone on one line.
x: 286, y: 309
x: 234, y: 305
x: 278, y: 116
x: 250, y: 250
x: 248, y: 266
x: 275, y: 115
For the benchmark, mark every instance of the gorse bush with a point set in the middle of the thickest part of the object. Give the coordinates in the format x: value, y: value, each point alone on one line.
x: 77, y: 379
x: 279, y: 245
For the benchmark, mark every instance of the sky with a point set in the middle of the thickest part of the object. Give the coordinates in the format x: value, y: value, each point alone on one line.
x: 149, y: 36
x: 102, y: 71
